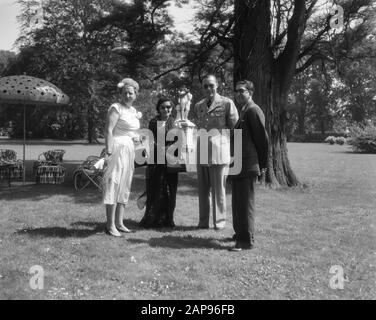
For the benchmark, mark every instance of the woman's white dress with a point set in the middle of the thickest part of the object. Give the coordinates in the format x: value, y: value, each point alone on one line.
x: 117, y: 178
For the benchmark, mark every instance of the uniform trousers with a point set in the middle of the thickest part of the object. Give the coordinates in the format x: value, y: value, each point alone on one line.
x: 212, y: 188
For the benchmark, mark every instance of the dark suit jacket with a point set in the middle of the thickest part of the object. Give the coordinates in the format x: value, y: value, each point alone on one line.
x: 255, y: 141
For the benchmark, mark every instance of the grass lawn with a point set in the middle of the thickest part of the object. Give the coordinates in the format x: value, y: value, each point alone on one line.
x: 301, y: 233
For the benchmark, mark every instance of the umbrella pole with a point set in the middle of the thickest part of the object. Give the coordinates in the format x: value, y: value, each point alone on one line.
x: 24, y: 141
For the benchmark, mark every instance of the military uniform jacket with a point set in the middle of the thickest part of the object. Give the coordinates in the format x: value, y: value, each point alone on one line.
x: 221, y: 114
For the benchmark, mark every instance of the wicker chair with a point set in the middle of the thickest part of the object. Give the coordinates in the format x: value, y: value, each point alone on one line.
x: 10, y: 167
x: 50, y: 169
x: 86, y: 174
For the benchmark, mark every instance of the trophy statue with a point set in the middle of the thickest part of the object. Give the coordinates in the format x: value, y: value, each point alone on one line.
x: 186, y: 156
x: 184, y: 105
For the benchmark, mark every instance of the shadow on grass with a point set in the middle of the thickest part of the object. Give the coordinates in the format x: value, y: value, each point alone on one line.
x: 132, y: 224
x: 97, y: 225
x: 59, y: 232
x: 184, y: 242
x: 89, y: 224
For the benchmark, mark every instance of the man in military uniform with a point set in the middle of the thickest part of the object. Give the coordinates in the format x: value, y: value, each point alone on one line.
x: 214, y: 116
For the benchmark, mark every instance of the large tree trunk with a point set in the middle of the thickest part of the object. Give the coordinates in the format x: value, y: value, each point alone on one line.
x: 254, y: 61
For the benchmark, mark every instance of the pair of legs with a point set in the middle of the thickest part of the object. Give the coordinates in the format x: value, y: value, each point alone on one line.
x: 115, y: 217
x: 117, y: 180
x: 243, y: 210
x: 212, y: 188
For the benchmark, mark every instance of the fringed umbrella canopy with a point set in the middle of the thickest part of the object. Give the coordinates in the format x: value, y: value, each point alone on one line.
x: 30, y: 91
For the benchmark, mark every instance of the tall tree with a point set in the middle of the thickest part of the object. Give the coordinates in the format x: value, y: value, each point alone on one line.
x: 357, y: 94
x: 273, y: 40
x: 269, y: 43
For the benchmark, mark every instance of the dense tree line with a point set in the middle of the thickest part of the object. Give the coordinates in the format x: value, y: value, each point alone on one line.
x: 312, y: 67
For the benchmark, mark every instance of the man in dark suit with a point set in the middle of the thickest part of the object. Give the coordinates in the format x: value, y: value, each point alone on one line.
x: 254, y: 155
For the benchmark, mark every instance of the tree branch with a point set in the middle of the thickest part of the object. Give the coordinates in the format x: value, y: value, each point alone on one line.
x: 308, y: 48
x: 187, y: 63
x: 310, y: 9
x: 311, y: 60
x: 287, y: 59
x: 202, y: 50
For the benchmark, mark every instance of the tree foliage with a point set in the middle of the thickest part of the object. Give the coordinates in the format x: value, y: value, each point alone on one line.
x: 74, y: 50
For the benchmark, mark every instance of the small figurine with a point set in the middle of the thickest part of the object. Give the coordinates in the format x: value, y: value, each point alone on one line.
x: 184, y: 104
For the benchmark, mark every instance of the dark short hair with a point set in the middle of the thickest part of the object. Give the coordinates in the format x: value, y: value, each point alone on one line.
x: 248, y: 84
x: 162, y: 100
x: 210, y: 75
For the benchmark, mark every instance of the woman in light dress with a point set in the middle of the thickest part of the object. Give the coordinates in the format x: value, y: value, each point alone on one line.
x: 120, y: 135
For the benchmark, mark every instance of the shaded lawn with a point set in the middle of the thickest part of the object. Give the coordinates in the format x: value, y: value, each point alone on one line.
x: 301, y: 233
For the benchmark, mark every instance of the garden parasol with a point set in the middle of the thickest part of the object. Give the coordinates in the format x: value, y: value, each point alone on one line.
x: 29, y: 91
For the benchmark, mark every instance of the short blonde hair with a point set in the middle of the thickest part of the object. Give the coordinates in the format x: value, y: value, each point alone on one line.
x: 129, y: 82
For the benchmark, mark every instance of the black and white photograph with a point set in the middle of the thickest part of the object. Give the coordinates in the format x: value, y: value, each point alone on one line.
x: 202, y: 151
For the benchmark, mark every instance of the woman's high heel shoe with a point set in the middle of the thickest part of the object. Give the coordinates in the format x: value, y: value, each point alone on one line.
x: 111, y: 233
x: 124, y: 230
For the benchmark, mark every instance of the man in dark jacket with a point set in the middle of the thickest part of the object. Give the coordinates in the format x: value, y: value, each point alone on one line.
x: 254, y: 161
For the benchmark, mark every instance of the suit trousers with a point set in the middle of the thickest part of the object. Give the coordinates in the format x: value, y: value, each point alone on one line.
x: 212, y: 188
x: 243, y: 208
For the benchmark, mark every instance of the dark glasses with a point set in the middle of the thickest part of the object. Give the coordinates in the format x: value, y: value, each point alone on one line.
x: 206, y: 86
x: 241, y: 90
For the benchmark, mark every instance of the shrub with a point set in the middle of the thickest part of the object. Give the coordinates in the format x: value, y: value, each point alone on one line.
x: 363, y: 138
x: 331, y: 140
x: 316, y: 137
x: 340, y: 140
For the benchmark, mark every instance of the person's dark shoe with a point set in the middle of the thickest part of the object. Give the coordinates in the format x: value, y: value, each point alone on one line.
x: 202, y: 227
x: 235, y: 249
x: 240, y: 247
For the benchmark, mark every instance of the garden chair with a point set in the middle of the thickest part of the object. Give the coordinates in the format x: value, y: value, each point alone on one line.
x: 50, y: 170
x: 10, y: 167
x: 87, y: 174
